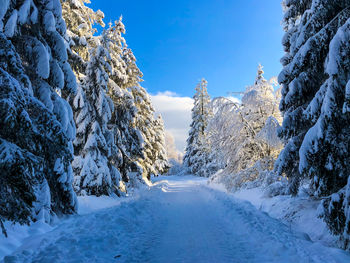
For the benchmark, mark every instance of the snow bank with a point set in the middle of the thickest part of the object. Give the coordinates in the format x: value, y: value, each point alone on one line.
x: 89, y: 204
x: 299, y: 213
x: 17, y: 235
x: 20, y: 235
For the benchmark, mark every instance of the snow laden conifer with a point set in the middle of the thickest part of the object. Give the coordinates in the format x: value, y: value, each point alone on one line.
x: 325, y: 149
x: 123, y: 121
x: 160, y: 155
x: 315, y: 106
x: 144, y: 119
x: 95, y: 172
x: 197, y: 155
x: 80, y: 31
x: 310, y: 27
x: 35, y: 74
x: 93, y: 145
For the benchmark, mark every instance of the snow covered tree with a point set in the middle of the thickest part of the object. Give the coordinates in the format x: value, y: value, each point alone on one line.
x: 310, y: 27
x: 160, y: 155
x: 80, y: 31
x: 21, y: 170
x: 243, y: 136
x: 170, y: 147
x: 314, y: 102
x: 197, y: 151
x: 96, y: 155
x: 145, y: 124
x: 123, y: 123
x: 37, y: 155
x: 144, y: 118
x: 94, y: 142
x: 325, y: 149
x: 259, y: 104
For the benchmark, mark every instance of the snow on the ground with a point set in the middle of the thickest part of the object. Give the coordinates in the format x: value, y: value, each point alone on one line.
x: 89, y: 204
x: 179, y: 219
x: 18, y: 235
x: 300, y: 213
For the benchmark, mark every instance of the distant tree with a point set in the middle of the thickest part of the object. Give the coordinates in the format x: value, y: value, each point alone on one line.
x: 170, y: 147
x: 197, y: 154
x: 159, y: 152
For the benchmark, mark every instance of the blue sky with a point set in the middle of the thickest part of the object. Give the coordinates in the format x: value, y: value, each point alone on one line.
x: 178, y: 42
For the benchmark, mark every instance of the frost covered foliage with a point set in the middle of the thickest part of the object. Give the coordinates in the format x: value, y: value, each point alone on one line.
x: 37, y: 127
x: 94, y: 143
x: 128, y: 137
x: 174, y: 156
x: 314, y: 78
x: 80, y: 20
x: 170, y: 147
x: 151, y: 131
x: 315, y: 104
x: 160, y: 155
x: 97, y: 159
x: 197, y: 158
x: 111, y: 105
x: 244, y: 136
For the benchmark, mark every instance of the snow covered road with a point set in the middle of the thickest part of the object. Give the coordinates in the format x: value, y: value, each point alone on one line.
x: 179, y: 219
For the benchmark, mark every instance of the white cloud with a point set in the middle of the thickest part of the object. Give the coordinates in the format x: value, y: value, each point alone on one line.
x: 176, y: 113
x: 234, y: 99
x: 167, y: 93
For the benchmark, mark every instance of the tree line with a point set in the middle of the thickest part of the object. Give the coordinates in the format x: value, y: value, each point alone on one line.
x: 312, y: 150
x: 74, y: 117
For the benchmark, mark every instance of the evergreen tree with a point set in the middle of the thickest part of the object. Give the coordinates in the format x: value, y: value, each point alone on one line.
x: 144, y: 119
x: 80, y: 31
x: 93, y: 145
x: 315, y: 101
x: 197, y: 152
x: 95, y: 171
x: 326, y: 146
x: 160, y: 155
x: 310, y: 26
x: 127, y: 137
x: 37, y: 127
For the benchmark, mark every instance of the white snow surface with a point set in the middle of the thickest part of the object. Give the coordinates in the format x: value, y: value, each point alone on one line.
x: 178, y: 219
x: 299, y: 213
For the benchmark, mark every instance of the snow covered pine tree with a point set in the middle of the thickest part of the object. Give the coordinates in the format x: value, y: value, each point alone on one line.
x: 37, y: 125
x: 244, y: 135
x: 161, y: 164
x: 197, y: 154
x: 80, y: 20
x: 144, y: 122
x: 123, y: 123
x: 315, y: 99
x: 93, y: 146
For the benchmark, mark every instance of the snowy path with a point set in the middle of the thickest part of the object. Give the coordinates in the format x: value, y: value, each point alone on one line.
x: 178, y: 220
